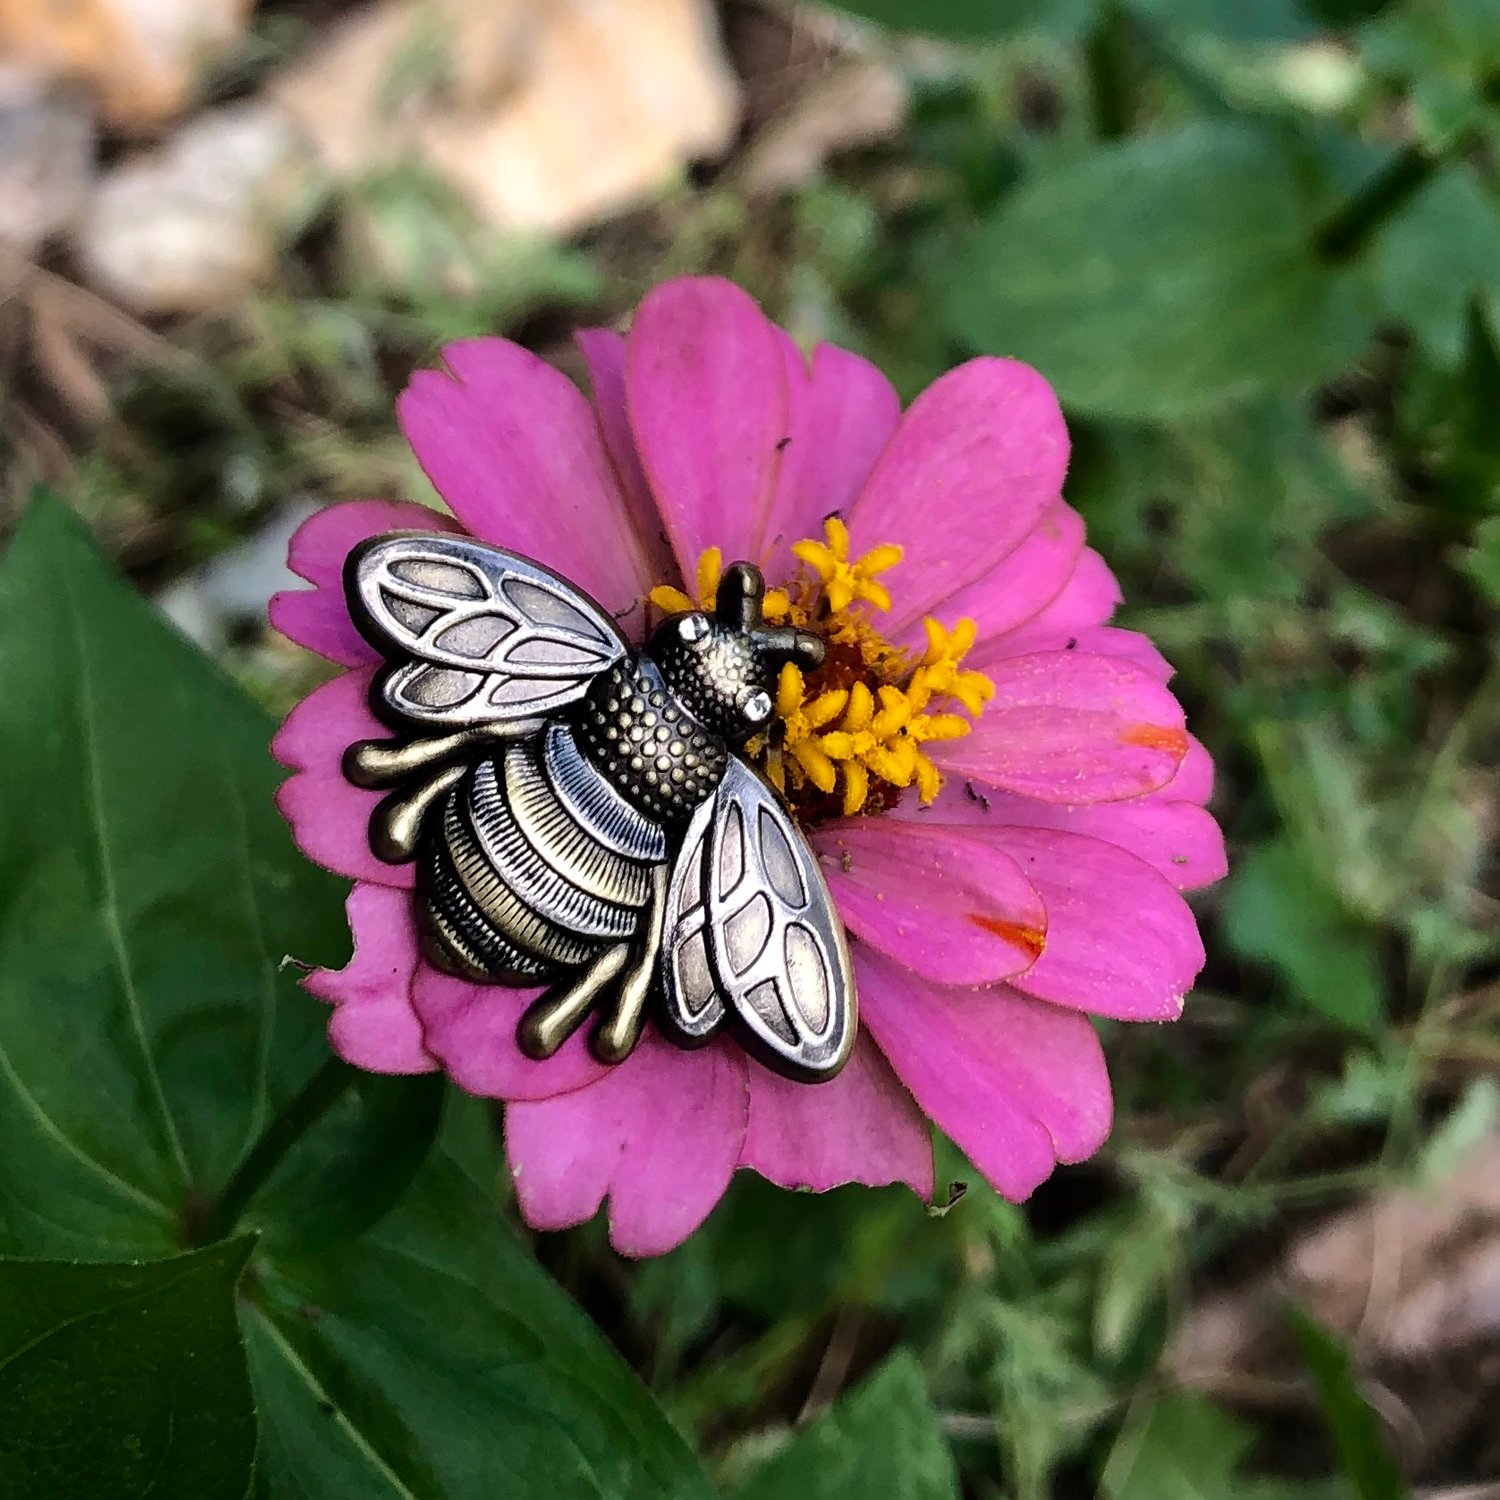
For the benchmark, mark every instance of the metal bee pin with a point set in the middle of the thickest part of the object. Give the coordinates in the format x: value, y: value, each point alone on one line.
x: 580, y: 813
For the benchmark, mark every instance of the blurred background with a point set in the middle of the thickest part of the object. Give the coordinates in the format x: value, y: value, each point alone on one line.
x: 1255, y: 244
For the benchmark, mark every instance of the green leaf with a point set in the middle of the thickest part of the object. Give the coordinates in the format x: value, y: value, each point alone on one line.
x: 1444, y: 52
x: 1163, y: 276
x: 1278, y: 912
x: 352, y: 1170
x: 1482, y: 561
x: 1439, y: 254
x: 149, y: 891
x: 1189, y: 1449
x: 882, y: 1439
x: 120, y: 1381
x: 1246, y: 494
x: 1364, y: 1455
x: 1136, y: 1273
x: 147, y: 1035
x: 975, y: 20
x: 1244, y: 21
x: 432, y: 1355
x: 1460, y: 1133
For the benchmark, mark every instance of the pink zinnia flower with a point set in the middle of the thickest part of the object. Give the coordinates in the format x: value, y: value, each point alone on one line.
x: 998, y: 783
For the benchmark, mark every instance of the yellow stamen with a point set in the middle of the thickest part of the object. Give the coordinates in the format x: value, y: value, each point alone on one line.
x: 844, y: 582
x: 671, y: 600
x: 855, y: 728
x: 710, y: 571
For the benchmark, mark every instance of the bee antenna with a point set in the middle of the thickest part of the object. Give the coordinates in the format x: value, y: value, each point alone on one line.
x: 787, y: 643
x: 741, y: 590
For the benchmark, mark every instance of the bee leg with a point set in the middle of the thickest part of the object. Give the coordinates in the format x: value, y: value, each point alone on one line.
x: 615, y: 1037
x: 396, y: 825
x: 555, y: 1016
x: 383, y: 763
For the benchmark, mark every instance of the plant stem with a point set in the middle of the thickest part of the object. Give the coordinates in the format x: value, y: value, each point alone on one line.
x: 1349, y: 229
x: 296, y: 1117
x: 1107, y: 57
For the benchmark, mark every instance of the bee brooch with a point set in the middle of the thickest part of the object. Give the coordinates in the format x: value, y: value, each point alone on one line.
x: 580, y: 813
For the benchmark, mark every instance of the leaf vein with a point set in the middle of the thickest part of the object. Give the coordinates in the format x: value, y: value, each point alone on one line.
x: 111, y: 913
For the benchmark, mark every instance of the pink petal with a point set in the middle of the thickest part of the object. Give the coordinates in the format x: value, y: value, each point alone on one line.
x: 1194, y: 781
x: 374, y: 1026
x: 330, y: 818
x: 515, y: 450
x: 1018, y: 1084
x: 471, y: 1029
x: 318, y: 618
x: 1179, y: 840
x: 1089, y: 597
x: 322, y: 542
x: 604, y: 352
x: 944, y: 902
x: 707, y: 387
x: 862, y: 1126
x: 843, y: 411
x: 1069, y: 727
x: 660, y: 1136
x: 1121, y: 941
x: 1091, y: 640
x: 1020, y: 585
x: 975, y: 464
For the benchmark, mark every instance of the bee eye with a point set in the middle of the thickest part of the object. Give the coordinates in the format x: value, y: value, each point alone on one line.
x: 693, y: 628
x: 757, y: 707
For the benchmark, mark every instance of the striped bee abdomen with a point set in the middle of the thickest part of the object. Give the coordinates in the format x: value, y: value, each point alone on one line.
x: 534, y: 863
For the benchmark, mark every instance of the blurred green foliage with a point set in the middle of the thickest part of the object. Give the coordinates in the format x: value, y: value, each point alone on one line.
x: 1256, y: 246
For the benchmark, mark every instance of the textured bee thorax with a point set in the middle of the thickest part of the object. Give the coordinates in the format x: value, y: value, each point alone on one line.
x: 711, y: 675
x: 649, y: 747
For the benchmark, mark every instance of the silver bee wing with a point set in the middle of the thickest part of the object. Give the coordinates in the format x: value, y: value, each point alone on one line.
x: 751, y: 931
x: 476, y: 636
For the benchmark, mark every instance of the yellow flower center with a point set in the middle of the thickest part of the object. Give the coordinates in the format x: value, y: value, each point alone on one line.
x: 849, y: 737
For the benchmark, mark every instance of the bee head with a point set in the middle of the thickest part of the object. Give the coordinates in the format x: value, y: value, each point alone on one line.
x: 723, y: 665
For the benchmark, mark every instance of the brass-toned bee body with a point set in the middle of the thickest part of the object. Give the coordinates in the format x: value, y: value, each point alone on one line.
x: 558, y: 818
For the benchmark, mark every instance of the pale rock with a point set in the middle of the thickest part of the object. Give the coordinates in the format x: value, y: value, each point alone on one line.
x: 1410, y: 1278
x: 142, y: 59
x: 46, y: 159
x: 854, y: 103
x: 541, y: 114
x: 200, y: 220
x: 235, y: 587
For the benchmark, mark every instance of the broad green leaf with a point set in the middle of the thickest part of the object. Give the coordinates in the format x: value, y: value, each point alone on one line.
x: 975, y: 20
x: 147, y: 1035
x: 148, y: 893
x: 432, y: 1357
x: 119, y: 1381
x: 1164, y: 276
x: 1358, y: 1439
x: 1278, y: 912
x: 350, y: 1172
x: 1436, y: 257
x: 882, y: 1439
